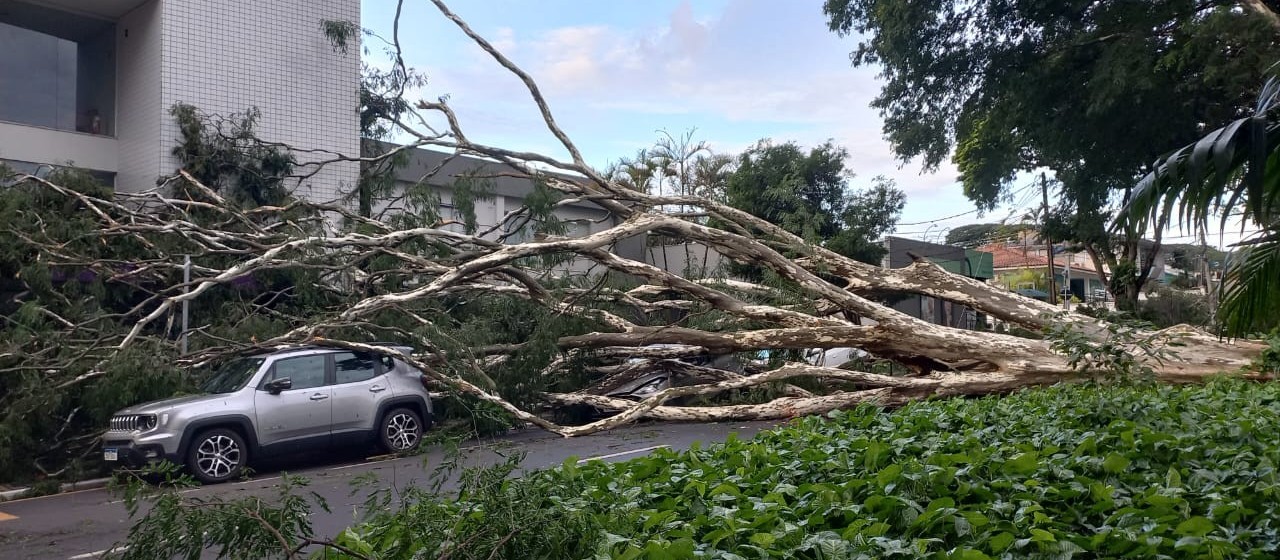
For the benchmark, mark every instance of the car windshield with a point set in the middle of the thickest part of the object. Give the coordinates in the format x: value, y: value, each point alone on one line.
x: 232, y: 375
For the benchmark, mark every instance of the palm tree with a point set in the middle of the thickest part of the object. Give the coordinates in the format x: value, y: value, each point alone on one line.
x: 1231, y: 172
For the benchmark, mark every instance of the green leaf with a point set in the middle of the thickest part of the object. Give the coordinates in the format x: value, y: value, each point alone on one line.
x: 1115, y: 463
x: 1001, y: 541
x: 1041, y: 535
x: 1196, y: 527
x: 940, y: 503
x: 889, y: 475
x: 971, y: 554
x: 1023, y: 463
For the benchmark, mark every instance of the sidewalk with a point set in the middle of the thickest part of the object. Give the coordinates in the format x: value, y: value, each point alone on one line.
x: 8, y: 493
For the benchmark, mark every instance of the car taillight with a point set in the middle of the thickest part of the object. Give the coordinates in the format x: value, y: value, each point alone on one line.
x: 425, y: 381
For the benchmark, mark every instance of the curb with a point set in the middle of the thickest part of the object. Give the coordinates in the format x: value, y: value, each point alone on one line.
x: 19, y: 493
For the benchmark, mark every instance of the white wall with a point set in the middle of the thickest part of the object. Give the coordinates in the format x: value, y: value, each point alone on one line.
x: 139, y: 110
x: 45, y: 145
x: 226, y: 56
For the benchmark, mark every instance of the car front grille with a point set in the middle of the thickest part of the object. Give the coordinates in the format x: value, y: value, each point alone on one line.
x: 132, y: 422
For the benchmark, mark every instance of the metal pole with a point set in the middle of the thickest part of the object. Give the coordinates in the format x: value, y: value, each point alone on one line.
x: 1067, y: 300
x: 186, y: 304
x: 1048, y: 243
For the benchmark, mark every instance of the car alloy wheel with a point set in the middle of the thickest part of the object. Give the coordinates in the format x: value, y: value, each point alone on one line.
x: 218, y: 456
x: 403, y: 430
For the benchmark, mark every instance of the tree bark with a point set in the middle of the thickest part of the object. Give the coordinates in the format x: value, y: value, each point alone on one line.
x: 806, y: 309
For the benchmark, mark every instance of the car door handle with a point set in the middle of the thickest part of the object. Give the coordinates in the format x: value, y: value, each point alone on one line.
x: 377, y: 389
x: 319, y: 397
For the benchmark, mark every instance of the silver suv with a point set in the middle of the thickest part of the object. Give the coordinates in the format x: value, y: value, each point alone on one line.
x: 277, y: 403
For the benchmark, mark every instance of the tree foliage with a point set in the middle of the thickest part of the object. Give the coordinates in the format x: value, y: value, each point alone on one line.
x: 225, y: 153
x: 807, y: 193
x: 974, y: 235
x: 499, y: 320
x: 675, y: 165
x: 1087, y: 90
x: 1232, y: 172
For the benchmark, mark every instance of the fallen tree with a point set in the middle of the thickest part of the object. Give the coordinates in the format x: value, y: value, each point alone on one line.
x: 370, y: 279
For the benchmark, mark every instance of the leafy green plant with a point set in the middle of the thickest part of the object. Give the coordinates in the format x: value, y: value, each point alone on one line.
x: 177, y: 525
x: 1074, y: 471
x: 1268, y: 361
x: 226, y: 154
x: 1166, y: 307
x: 1124, y: 353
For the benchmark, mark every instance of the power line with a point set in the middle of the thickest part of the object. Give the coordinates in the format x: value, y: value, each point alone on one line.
x: 975, y: 210
x: 940, y: 219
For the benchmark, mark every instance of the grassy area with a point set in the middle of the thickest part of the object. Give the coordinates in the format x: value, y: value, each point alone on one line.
x: 1079, y: 471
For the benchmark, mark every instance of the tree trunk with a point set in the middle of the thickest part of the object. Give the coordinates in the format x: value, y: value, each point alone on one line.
x: 818, y: 301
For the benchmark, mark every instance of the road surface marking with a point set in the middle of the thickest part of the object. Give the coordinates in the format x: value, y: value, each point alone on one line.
x: 620, y: 453
x: 98, y: 553
x: 5, y: 516
x: 243, y: 482
x: 354, y: 465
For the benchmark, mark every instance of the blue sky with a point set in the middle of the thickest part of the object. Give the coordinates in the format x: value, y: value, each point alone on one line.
x: 617, y: 72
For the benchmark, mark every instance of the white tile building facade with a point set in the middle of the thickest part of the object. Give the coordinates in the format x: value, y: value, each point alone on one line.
x: 221, y: 56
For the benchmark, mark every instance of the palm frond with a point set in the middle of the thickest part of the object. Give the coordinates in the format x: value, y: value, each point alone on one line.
x: 1251, y: 287
x: 1232, y: 171
x: 1233, y: 164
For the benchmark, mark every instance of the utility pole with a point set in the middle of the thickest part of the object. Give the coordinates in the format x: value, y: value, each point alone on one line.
x: 1067, y: 300
x: 1048, y: 244
x: 186, y: 303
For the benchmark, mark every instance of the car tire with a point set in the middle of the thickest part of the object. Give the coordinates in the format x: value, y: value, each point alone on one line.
x: 217, y: 455
x: 400, y: 430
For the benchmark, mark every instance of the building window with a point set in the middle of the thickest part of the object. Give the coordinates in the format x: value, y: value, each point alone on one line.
x: 58, y: 69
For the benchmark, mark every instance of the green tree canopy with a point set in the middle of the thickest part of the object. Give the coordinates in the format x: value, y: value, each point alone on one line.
x: 1090, y: 90
x: 1233, y: 171
x: 807, y: 193
x: 973, y: 235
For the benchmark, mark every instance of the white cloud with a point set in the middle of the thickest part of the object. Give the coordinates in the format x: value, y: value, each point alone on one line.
x: 756, y: 69
x: 749, y: 65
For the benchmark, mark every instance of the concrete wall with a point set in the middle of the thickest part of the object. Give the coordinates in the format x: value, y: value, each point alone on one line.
x: 44, y: 145
x: 227, y: 56
x: 139, y: 110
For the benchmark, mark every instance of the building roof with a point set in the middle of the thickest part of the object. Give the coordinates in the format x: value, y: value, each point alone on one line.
x: 441, y: 168
x: 1005, y: 257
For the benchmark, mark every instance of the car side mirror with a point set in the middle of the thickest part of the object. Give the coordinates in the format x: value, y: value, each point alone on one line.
x: 276, y: 385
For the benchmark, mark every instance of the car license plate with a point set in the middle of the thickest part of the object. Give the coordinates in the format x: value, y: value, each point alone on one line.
x: 110, y: 455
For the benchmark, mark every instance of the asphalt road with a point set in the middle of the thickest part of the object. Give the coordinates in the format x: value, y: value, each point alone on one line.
x: 83, y: 525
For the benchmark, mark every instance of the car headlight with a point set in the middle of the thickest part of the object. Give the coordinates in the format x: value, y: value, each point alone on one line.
x: 133, y: 422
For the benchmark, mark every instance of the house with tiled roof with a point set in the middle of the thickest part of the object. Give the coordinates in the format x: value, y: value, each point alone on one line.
x: 1024, y: 267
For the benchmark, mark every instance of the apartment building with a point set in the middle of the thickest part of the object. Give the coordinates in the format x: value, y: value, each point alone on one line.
x: 91, y: 82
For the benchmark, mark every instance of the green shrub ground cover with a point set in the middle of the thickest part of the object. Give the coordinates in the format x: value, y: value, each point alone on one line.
x: 1075, y: 471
